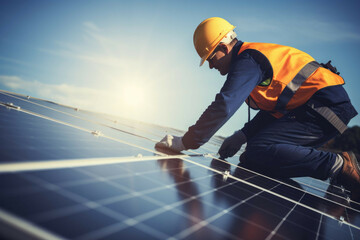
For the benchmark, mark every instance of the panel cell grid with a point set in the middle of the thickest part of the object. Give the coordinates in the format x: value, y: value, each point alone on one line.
x: 123, y: 188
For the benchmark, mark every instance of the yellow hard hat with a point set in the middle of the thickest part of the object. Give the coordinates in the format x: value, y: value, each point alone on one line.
x: 209, y: 34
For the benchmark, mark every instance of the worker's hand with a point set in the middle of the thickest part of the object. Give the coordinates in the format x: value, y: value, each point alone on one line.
x: 232, y: 144
x: 173, y: 142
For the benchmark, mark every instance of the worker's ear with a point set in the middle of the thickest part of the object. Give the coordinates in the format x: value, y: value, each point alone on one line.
x: 226, y: 48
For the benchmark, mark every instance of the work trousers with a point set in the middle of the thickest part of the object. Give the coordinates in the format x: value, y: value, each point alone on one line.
x: 287, y: 147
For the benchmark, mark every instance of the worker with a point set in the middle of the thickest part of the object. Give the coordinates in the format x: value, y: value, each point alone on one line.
x: 302, y: 105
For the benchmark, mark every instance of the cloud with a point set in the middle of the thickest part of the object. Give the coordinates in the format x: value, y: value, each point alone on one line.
x: 96, y: 48
x: 91, y: 26
x: 61, y: 92
x: 11, y: 82
x: 88, y: 57
x: 325, y: 31
x: 116, y: 101
x: 15, y: 61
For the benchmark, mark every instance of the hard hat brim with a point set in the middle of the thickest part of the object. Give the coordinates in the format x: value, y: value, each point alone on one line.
x: 202, y: 60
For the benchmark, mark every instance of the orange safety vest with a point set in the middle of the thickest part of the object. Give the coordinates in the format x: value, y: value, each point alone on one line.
x: 294, y: 77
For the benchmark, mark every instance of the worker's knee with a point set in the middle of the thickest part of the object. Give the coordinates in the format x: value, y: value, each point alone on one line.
x: 258, y: 158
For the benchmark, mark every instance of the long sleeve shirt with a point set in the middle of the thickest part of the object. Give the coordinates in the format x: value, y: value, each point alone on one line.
x: 244, y: 75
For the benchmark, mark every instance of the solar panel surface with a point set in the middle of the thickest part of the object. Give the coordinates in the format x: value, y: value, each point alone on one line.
x: 68, y: 173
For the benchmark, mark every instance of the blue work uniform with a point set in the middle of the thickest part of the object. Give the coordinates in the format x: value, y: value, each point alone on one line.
x: 283, y: 147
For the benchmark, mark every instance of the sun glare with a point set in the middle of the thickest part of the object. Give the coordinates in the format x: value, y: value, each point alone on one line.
x: 133, y: 95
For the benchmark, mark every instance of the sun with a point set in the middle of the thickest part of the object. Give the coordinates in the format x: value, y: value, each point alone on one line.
x: 133, y: 95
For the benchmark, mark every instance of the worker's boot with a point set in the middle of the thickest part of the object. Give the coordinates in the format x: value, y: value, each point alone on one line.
x: 349, y: 176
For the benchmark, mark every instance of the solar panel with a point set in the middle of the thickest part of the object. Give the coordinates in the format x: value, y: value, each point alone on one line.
x: 69, y: 173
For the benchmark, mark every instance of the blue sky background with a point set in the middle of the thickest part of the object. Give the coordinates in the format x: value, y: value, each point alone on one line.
x: 136, y: 59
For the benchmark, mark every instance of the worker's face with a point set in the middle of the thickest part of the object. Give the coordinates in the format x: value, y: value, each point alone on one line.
x: 220, y: 59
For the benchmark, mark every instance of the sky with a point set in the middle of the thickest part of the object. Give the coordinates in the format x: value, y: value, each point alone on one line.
x: 136, y: 59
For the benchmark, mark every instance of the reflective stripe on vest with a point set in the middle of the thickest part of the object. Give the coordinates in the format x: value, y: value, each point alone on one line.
x: 294, y: 85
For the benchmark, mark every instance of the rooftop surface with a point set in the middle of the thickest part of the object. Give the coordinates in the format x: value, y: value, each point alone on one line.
x: 69, y: 173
